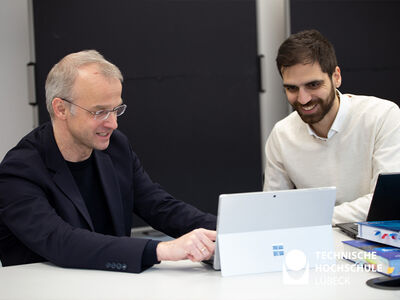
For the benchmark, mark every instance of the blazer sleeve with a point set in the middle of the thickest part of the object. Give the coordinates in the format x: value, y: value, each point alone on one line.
x: 161, y: 210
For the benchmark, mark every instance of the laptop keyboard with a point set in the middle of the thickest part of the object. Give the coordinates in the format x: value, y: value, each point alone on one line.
x: 351, y: 229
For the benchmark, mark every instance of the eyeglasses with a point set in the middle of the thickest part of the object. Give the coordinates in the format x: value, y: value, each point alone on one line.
x: 103, y: 114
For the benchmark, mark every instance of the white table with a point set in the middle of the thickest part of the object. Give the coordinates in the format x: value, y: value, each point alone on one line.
x: 182, y: 280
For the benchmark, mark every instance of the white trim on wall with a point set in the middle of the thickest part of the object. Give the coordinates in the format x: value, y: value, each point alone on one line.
x: 16, y: 115
x: 272, y: 31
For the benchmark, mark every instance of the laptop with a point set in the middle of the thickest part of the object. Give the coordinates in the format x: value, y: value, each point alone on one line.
x: 256, y: 230
x: 385, y: 203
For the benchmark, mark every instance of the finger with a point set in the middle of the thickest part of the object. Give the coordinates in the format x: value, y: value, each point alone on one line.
x: 192, y: 258
x: 211, y: 234
x: 199, y: 245
x: 196, y: 255
x: 207, y: 243
x: 207, y: 254
x: 202, y: 243
x: 198, y: 259
x: 193, y: 247
x: 206, y: 250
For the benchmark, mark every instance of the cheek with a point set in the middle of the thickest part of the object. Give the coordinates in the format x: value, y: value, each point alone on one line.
x: 86, y: 128
x: 323, y: 95
x: 292, y: 97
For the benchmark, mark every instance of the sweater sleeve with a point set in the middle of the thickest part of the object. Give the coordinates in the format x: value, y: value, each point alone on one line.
x: 353, y: 211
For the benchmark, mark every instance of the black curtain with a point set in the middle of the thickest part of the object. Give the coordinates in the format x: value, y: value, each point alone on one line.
x: 365, y: 34
x: 190, y: 70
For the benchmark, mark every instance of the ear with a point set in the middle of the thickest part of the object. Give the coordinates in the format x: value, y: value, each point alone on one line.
x: 337, y: 77
x: 59, y: 108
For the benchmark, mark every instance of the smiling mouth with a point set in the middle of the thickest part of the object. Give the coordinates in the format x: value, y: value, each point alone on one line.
x: 308, y: 107
x: 103, y: 134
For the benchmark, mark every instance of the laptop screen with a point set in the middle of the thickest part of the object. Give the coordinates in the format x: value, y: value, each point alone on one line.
x: 385, y: 204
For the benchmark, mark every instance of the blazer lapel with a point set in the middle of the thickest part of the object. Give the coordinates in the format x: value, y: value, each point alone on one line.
x: 111, y: 189
x: 62, y: 176
x: 64, y: 180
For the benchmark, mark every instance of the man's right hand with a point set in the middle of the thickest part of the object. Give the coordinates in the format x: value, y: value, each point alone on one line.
x: 196, y: 245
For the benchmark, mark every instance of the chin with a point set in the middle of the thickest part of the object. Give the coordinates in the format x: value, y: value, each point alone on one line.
x: 311, y: 118
x: 102, y: 146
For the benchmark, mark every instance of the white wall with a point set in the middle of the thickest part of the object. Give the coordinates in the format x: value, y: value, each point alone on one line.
x: 272, y: 31
x: 16, y: 116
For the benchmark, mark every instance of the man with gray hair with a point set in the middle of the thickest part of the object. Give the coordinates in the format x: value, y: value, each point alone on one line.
x: 68, y: 189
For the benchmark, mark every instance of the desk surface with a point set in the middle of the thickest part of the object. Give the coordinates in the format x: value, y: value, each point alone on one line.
x: 183, y: 280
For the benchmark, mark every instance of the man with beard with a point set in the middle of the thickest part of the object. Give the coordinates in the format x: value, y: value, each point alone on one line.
x: 331, y: 139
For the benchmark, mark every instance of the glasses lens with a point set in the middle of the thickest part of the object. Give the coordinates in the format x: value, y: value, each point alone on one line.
x: 101, y: 115
x: 104, y: 114
x: 120, y: 109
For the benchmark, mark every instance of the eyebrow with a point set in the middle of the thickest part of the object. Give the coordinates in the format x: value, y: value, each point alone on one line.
x: 289, y: 85
x: 307, y: 83
x: 315, y: 81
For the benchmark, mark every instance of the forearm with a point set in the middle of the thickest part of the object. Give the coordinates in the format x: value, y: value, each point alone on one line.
x: 352, y: 211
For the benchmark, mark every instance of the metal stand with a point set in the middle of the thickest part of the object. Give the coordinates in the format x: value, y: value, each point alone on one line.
x: 384, y: 283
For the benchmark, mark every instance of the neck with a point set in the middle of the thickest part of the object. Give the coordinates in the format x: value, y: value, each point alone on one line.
x: 322, y: 127
x: 70, y: 150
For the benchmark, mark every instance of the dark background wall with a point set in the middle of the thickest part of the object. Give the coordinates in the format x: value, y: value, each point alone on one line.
x: 191, y: 84
x: 365, y: 34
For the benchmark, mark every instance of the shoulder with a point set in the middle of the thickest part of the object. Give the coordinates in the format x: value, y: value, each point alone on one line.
x: 370, y: 114
x: 292, y: 120
x: 371, y: 111
x: 370, y: 104
x: 33, y: 143
x: 289, y: 126
x: 28, y: 156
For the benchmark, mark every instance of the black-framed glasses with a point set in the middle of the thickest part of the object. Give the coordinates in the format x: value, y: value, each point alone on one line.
x: 103, y: 114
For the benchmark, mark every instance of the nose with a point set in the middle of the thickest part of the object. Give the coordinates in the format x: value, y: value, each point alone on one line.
x: 303, y: 96
x: 111, y: 121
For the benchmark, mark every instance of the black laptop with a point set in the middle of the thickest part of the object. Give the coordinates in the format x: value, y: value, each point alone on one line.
x: 385, y: 204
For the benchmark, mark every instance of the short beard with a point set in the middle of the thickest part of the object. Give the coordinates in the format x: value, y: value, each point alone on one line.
x: 325, y: 107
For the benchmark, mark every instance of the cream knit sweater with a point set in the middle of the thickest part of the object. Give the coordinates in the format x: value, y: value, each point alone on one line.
x: 367, y: 143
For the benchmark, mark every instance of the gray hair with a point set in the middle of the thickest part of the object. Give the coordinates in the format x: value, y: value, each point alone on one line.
x: 61, y: 78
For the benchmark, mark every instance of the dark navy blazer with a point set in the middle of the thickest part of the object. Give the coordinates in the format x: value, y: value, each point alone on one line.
x: 43, y: 216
